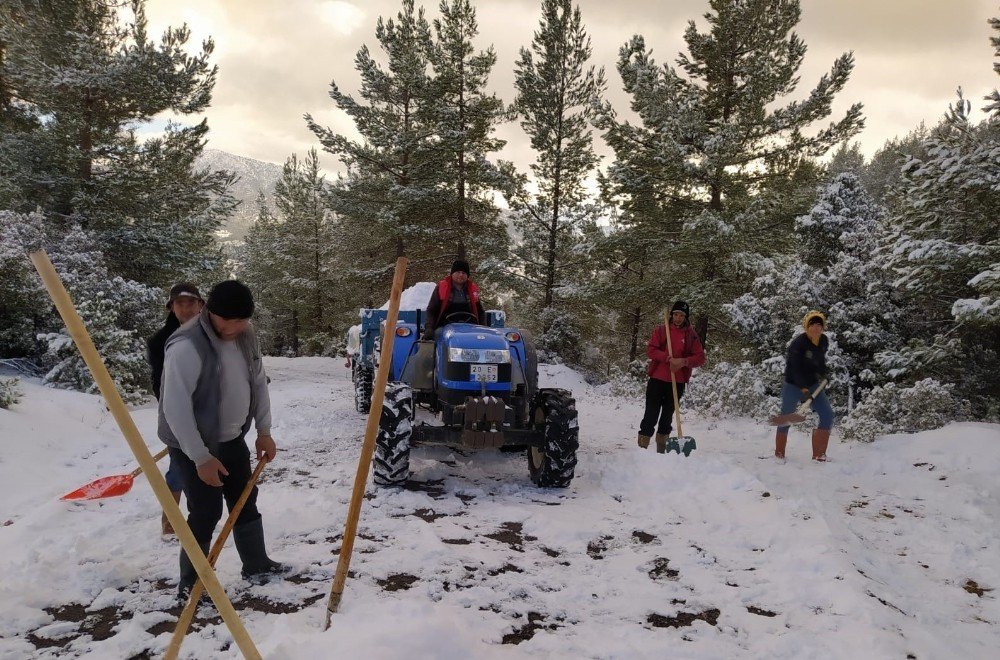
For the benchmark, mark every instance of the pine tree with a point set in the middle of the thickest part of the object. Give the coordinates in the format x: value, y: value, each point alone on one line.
x: 831, y: 269
x: 556, y: 96
x: 387, y: 202
x: 465, y: 117
x: 89, y: 68
x: 715, y: 154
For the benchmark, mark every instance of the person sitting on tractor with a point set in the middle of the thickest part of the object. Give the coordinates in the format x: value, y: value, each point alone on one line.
x: 455, y: 300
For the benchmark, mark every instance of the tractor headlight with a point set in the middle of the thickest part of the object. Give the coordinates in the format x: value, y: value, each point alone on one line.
x: 463, y: 354
x: 484, y: 356
x: 493, y: 356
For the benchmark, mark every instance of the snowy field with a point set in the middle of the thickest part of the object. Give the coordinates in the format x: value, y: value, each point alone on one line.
x: 892, y: 550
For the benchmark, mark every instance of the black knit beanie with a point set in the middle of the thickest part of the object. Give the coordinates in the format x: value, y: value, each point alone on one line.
x: 231, y: 300
x: 460, y: 266
x: 681, y: 306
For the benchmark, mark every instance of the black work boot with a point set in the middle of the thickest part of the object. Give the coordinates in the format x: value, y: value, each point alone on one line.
x: 249, y: 540
x: 188, y: 575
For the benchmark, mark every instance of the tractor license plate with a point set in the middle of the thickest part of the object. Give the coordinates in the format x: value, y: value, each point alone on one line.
x: 483, y: 373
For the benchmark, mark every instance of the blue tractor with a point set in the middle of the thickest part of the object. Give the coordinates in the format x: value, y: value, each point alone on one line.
x: 475, y: 386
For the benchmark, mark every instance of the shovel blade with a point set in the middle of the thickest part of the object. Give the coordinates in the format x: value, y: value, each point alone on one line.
x: 688, y: 444
x: 113, y: 486
x: 785, y: 420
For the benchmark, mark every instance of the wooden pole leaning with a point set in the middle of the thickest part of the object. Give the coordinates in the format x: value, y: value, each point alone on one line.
x: 673, y: 377
x: 74, y: 324
x: 368, y: 447
x: 187, y: 615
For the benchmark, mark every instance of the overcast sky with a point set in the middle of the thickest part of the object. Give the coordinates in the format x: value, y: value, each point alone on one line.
x: 277, y: 57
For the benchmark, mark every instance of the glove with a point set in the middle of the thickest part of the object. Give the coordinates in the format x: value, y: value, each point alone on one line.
x: 428, y: 334
x: 805, y: 395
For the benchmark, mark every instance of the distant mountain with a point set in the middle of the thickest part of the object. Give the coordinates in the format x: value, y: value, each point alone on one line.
x: 254, y: 177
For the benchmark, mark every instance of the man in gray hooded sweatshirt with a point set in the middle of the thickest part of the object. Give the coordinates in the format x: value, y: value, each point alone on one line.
x: 213, y: 389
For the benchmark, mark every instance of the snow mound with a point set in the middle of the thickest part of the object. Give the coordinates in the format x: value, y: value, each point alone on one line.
x: 415, y: 297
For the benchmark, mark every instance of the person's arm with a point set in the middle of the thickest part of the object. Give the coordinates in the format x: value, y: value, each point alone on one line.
x: 696, y: 357
x: 795, y: 359
x: 262, y: 398
x: 154, y: 353
x: 181, y: 368
x: 433, y: 310
x: 656, y: 345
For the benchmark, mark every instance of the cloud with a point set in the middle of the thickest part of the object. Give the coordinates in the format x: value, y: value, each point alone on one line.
x: 344, y: 17
x: 276, y: 59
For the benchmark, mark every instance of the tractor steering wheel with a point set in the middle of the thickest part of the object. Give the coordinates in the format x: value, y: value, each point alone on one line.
x: 461, y: 317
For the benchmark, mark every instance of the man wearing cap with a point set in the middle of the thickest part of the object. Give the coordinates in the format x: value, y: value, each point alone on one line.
x: 183, y: 304
x: 214, y: 388
x: 805, y: 367
x: 455, y: 300
x: 664, y: 367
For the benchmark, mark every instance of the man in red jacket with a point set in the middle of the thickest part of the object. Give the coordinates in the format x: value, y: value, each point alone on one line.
x: 455, y: 300
x: 664, y: 367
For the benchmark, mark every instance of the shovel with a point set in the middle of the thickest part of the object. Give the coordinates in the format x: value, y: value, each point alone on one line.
x: 674, y: 442
x: 112, y: 486
x: 800, y: 413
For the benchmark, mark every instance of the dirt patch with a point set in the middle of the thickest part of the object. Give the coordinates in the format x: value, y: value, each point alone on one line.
x: 506, y: 568
x: 643, y: 537
x: 661, y: 570
x: 429, y: 515
x: 457, y: 541
x: 683, y: 619
x: 274, y: 607
x: 973, y: 588
x: 550, y: 552
x: 759, y: 611
x: 511, y: 534
x: 535, y: 622
x: 433, y: 488
x: 398, y: 582
x: 597, y: 547
x: 98, y: 624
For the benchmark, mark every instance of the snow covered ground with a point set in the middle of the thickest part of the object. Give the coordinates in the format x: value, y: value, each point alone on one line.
x: 890, y: 551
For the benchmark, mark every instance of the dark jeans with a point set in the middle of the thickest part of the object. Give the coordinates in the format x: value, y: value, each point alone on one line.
x: 659, y: 403
x: 205, y: 502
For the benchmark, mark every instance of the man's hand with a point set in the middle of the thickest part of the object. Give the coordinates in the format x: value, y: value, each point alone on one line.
x: 210, y: 470
x: 428, y: 334
x: 266, y: 447
x: 676, y: 364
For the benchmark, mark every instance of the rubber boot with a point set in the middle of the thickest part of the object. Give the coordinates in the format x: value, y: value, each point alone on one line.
x: 661, y: 443
x: 780, y: 443
x: 249, y: 540
x: 643, y: 441
x: 188, y: 575
x: 820, y: 441
x: 165, y: 527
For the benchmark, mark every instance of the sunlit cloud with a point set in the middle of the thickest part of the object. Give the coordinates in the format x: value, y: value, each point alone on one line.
x: 341, y: 16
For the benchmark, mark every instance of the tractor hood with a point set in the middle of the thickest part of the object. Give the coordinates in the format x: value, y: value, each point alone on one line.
x: 473, y: 337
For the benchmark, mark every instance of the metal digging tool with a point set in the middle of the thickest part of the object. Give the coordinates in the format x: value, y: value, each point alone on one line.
x: 800, y: 413
x: 674, y: 442
x: 112, y: 486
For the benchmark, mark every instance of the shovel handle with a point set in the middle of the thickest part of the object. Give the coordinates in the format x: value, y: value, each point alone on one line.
x: 136, y: 472
x: 804, y: 406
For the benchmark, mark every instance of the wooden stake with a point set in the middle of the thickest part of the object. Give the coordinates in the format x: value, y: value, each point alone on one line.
x: 187, y: 616
x: 74, y: 324
x: 368, y: 447
x: 673, y: 381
